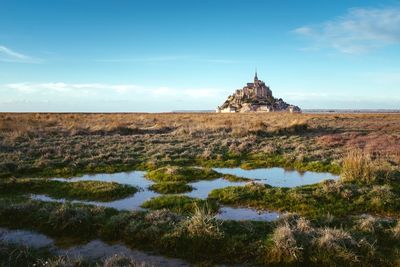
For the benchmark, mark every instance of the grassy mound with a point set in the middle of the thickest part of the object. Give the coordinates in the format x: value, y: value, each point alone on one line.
x: 171, y: 187
x: 82, y: 190
x: 179, y: 204
x: 234, y: 178
x: 199, y: 237
x: 182, y: 174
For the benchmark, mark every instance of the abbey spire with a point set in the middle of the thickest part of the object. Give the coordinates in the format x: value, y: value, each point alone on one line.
x: 255, y: 76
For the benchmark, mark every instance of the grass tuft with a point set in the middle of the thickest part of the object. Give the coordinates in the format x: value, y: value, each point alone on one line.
x: 357, y: 167
x: 171, y: 187
x: 182, y: 174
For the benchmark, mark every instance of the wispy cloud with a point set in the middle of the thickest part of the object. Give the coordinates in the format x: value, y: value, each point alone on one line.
x: 359, y: 30
x: 9, y: 55
x: 60, y: 96
x: 60, y: 89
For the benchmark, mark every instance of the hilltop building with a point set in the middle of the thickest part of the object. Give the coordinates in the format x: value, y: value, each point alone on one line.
x: 255, y: 97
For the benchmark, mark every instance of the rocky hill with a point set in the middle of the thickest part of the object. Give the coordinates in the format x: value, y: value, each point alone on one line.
x: 255, y: 97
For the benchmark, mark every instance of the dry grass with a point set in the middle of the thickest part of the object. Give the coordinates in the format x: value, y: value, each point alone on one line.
x: 93, y: 142
x: 396, y: 230
x: 204, y: 224
x: 285, y: 247
x: 357, y: 166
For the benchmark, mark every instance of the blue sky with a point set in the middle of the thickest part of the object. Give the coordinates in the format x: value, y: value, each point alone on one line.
x: 81, y: 55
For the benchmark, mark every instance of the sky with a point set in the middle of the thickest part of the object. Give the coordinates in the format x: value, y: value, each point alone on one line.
x: 166, y: 55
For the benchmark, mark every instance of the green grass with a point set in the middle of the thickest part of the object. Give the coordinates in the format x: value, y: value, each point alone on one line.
x: 234, y: 178
x: 178, y: 203
x: 335, y: 198
x: 171, y: 187
x: 200, y: 238
x: 82, y: 190
x: 182, y: 174
x: 20, y: 255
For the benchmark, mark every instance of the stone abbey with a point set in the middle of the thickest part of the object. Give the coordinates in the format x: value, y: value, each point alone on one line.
x: 255, y: 97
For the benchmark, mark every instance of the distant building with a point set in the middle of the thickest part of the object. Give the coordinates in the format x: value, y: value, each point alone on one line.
x: 255, y: 97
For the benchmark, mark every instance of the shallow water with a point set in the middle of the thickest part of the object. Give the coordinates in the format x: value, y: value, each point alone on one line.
x: 272, y: 176
x: 138, y: 179
x: 94, y: 250
x: 243, y: 214
x: 204, y: 187
x: 279, y: 177
x: 26, y: 238
x: 135, y: 178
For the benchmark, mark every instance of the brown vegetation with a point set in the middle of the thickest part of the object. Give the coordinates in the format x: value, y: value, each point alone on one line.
x: 68, y: 143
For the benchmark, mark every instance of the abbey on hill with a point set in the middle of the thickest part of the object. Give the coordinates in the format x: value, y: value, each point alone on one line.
x: 255, y: 97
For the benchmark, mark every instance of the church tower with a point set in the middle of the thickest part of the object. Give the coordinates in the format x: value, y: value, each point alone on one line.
x: 255, y: 77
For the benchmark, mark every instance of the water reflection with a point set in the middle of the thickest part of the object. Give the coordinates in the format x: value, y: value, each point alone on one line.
x: 93, y: 250
x: 279, y: 177
x: 243, y: 214
x: 273, y: 176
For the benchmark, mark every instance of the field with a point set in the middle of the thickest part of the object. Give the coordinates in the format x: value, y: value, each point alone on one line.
x: 353, y: 221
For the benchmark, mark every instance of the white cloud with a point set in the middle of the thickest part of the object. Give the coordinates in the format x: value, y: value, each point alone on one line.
x: 358, y: 31
x: 61, y: 89
x: 9, y: 55
x: 102, y: 90
x: 60, y: 96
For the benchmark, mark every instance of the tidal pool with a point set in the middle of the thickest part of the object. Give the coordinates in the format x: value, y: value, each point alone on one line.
x: 137, y: 178
x: 279, y: 177
x: 243, y: 214
x: 204, y: 187
x: 92, y: 251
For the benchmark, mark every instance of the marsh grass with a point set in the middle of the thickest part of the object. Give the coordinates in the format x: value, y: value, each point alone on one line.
x: 358, y: 166
x: 203, y: 224
x: 234, y: 178
x: 178, y: 203
x: 200, y: 237
x: 120, y: 260
x: 18, y: 255
x: 182, y: 174
x: 285, y: 247
x: 314, y: 201
x: 82, y: 190
x: 396, y: 230
x: 13, y: 255
x: 70, y: 144
x: 332, y: 232
x: 295, y: 240
x: 171, y: 187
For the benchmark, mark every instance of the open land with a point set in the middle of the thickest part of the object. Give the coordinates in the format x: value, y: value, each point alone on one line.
x: 352, y: 221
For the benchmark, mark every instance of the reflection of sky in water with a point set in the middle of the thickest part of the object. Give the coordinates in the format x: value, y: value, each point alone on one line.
x: 135, y: 178
x: 26, y: 238
x: 93, y: 250
x: 203, y: 188
x: 272, y: 176
x: 242, y: 214
x: 279, y: 177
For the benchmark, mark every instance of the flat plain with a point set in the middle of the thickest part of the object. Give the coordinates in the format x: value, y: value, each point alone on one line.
x: 351, y: 221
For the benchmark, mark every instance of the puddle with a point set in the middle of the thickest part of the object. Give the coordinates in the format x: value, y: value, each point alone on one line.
x: 273, y: 176
x: 135, y: 178
x: 203, y: 188
x: 244, y: 214
x: 26, y: 238
x: 279, y: 177
x: 94, y: 250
